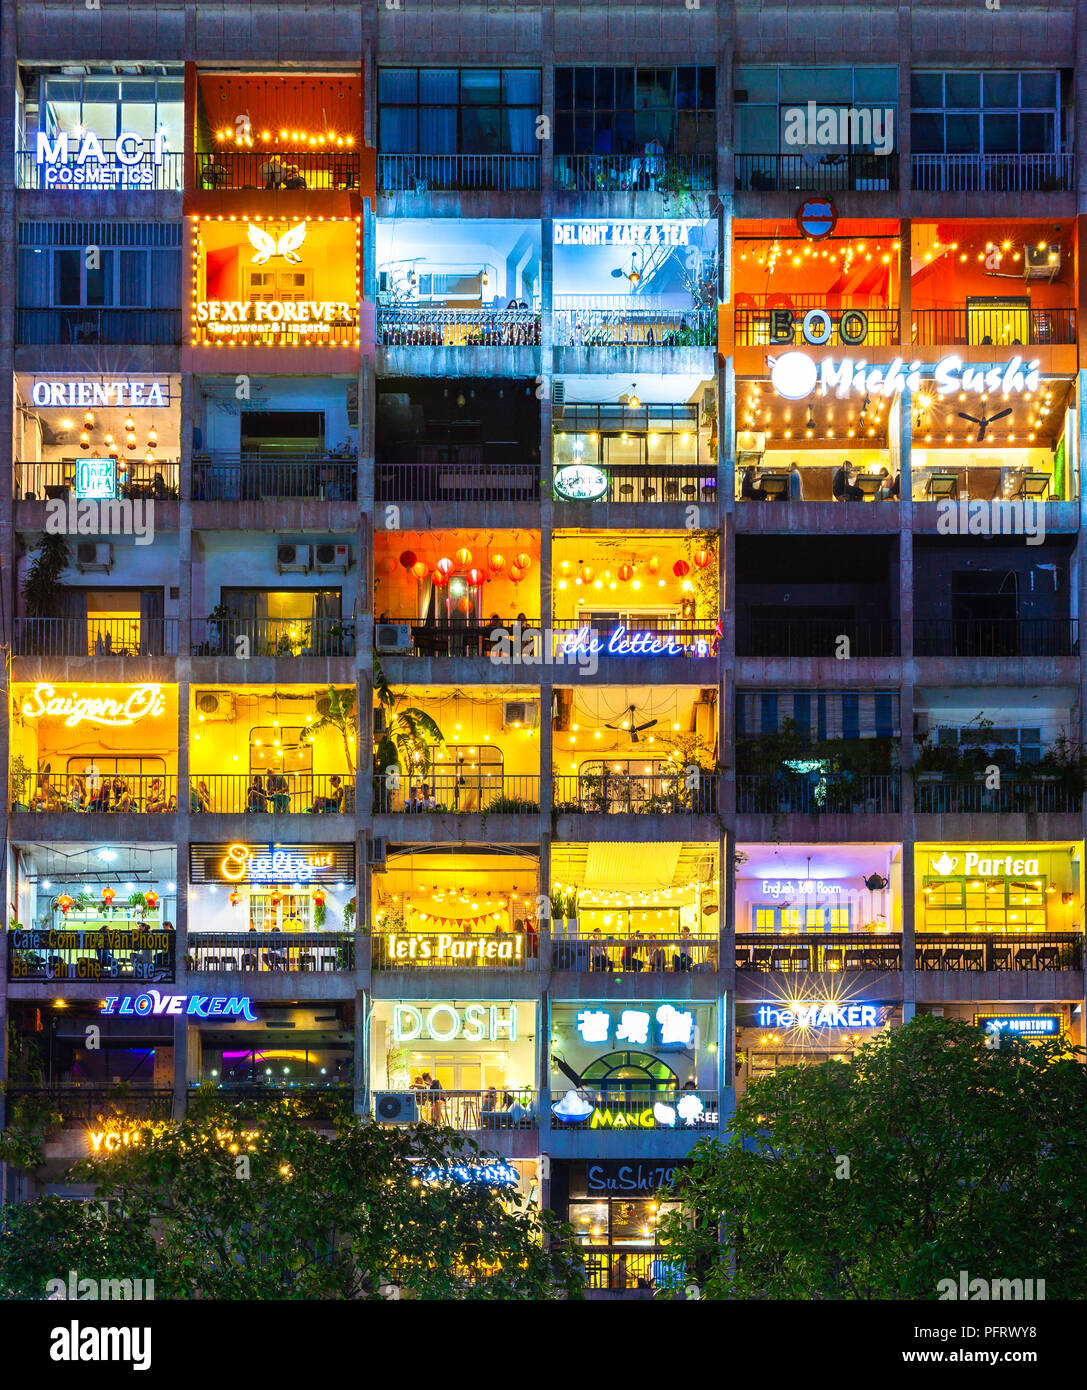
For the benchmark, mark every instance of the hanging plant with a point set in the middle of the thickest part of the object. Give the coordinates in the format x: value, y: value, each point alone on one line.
x: 138, y: 901
x: 349, y: 915
x: 319, y: 909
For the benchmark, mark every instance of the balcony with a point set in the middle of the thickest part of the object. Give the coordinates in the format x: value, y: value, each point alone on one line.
x: 769, y: 173
x: 818, y: 793
x: 76, y: 1102
x: 55, y: 478
x: 1018, y: 793
x: 977, y: 951
x: 98, y: 637
x: 961, y: 327
x: 440, y: 173
x: 476, y: 791
x: 491, y: 472
x: 816, y: 638
x: 471, y: 1112
x: 624, y: 321
x: 752, y: 325
x: 474, y: 639
x: 634, y: 173
x: 95, y: 955
x: 164, y: 177
x: 58, y: 793
x: 993, y: 173
x: 248, y: 477
x: 597, y: 789
x: 424, y: 327
x: 431, y: 951
x: 239, y: 794
x: 270, y: 952
x: 772, y: 955
x: 634, y: 955
x: 308, y: 1099
x: 277, y: 637
x: 996, y: 637
x: 80, y: 327
x: 218, y: 170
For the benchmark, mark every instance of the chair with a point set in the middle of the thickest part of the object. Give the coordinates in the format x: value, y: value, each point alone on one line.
x: 973, y: 958
x: 1026, y: 958
x: 671, y: 492
x: 649, y: 494
x: 1048, y: 958
x: 626, y: 492
x: 1002, y: 957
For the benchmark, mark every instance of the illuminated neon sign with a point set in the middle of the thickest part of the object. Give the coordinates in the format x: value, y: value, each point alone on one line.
x: 131, y: 163
x: 821, y: 1014
x: 620, y: 643
x: 142, y: 702
x: 96, y: 478
x: 277, y: 866
x: 495, y: 1174
x: 977, y: 864
x: 622, y: 234
x: 226, y: 318
x: 444, y: 1022
x: 444, y: 948
x: 689, y: 1112
x: 795, y: 375
x: 794, y: 887
x: 134, y: 395
x: 580, y: 482
x: 676, y: 1026
x: 152, y: 1003
x: 1023, y: 1025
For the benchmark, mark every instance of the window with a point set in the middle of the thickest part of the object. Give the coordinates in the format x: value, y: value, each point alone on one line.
x: 111, y: 105
x: 458, y: 110
x: 138, y: 265
x: 989, y: 112
x: 293, y: 912
x: 764, y: 95
x: 989, y: 905
x: 790, y: 920
x: 619, y: 110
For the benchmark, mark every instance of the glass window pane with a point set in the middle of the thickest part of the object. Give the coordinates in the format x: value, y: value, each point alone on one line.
x: 480, y: 130
x: 564, y: 133
x: 399, y: 130
x: 605, y: 88
x: 686, y: 89
x: 521, y: 86
x: 1000, y: 89
x: 65, y: 277
x: 60, y: 89
x: 707, y: 89
x: 137, y: 89
x: 927, y: 133
x: 963, y: 89
x: 437, y: 85
x: 564, y: 88
x: 756, y: 130
x: 927, y: 89
x: 101, y: 117
x: 1001, y: 134
x: 963, y: 135
x: 624, y: 88
x: 101, y: 89
x: 1038, y: 132
x: 817, y: 84
x: 875, y: 84
x: 398, y: 84
x: 758, y: 84
x: 583, y: 87
x: 480, y: 86
x: 438, y: 130
x: 1039, y: 89
x: 140, y: 118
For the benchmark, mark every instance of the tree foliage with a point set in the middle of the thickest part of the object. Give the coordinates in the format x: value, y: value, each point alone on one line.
x: 926, y: 1155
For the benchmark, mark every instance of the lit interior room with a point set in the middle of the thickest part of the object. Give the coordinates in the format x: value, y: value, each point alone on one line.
x: 1010, y: 889
x: 806, y: 1026
x: 487, y: 758
x: 290, y: 1046
x: 635, y: 748
x: 448, y: 907
x: 805, y: 889
x: 625, y: 1059
x: 1019, y: 727
x: 629, y: 906
x: 97, y: 437
x: 72, y: 1045
x: 237, y: 889
x: 468, y: 1047
x: 63, y: 758
x: 271, y: 749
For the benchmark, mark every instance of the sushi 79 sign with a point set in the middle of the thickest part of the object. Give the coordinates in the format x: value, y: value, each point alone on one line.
x: 580, y: 482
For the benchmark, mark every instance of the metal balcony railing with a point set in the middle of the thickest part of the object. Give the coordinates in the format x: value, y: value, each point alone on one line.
x: 610, y: 793
x: 270, y: 952
x: 67, y: 178
x: 279, y: 637
x: 95, y: 637
x: 656, y: 483
x: 41, y: 481
x: 411, y: 326
x: 433, y: 951
x: 77, y: 327
x: 271, y: 793
x: 483, y: 472
x: 816, y: 793
x: 993, y: 173
x: 635, y: 173
x: 768, y: 173
x: 587, y: 636
x: 468, y: 1111
x: 1018, y: 792
x: 468, y: 791
x: 996, y: 637
x: 816, y: 637
x: 773, y: 954
x: 77, y: 1100
x: 473, y: 638
x: 992, y: 951
x: 621, y: 321
x: 93, y: 792
x: 752, y: 325
x: 99, y: 953
x: 248, y: 477
x: 329, y: 168
x: 622, y: 1268
x: 1006, y: 328
x: 632, y: 955
x: 494, y: 173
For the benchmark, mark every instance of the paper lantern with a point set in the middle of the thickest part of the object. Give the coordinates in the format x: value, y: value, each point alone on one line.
x: 445, y: 565
x: 420, y: 569
x: 653, y: 565
x: 626, y: 572
x: 319, y: 897
x: 497, y: 563
x: 64, y: 902
x: 588, y: 574
x: 235, y: 898
x: 680, y: 569
x: 524, y: 561
x: 440, y: 579
x: 464, y: 557
x: 702, y: 558
x: 476, y: 578
x: 275, y: 898
x: 151, y: 898
x: 516, y: 574
x: 108, y: 895
x: 407, y: 559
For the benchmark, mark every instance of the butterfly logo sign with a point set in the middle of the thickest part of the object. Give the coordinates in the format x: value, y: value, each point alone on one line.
x: 268, y: 246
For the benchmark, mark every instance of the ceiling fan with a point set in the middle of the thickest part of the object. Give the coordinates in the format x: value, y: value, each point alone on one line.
x: 635, y: 729
x: 985, y: 421
x: 634, y: 274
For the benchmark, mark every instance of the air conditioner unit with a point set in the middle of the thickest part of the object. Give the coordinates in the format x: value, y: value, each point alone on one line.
x: 524, y: 714
x: 392, y: 637
x: 375, y: 851
x: 396, y: 1107
x: 215, y: 704
x: 292, y: 558
x: 1041, y: 262
x: 331, y: 558
x: 94, y: 555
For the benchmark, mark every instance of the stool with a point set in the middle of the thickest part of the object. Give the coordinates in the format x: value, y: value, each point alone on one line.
x: 626, y: 492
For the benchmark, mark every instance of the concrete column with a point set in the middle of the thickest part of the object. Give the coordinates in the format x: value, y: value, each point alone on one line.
x: 361, y: 1053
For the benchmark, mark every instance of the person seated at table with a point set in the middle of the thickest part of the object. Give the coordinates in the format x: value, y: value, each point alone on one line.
x: 796, y: 483
x: 277, y: 790
x: 598, y: 957
x: 101, y: 798
x: 750, y: 491
x: 156, y: 795
x: 683, y: 961
x: 200, y: 798
x: 689, y: 1084
x: 890, y: 486
x: 256, y: 797
x: 630, y: 961
x: 415, y: 802
x: 842, y: 487
x: 532, y: 940
x: 430, y: 802
x: 122, y: 795
x: 657, y: 959
x: 77, y: 792
x: 490, y: 1101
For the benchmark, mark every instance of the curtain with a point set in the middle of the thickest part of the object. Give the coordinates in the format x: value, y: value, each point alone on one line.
x: 399, y: 130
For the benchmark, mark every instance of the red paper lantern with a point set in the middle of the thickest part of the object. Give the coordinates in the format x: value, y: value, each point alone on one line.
x: 420, y: 569
x: 524, y: 561
x: 108, y: 895
x: 319, y: 897
x: 516, y: 574
x: 235, y: 898
x: 476, y: 578
x: 64, y: 902
x: 445, y: 565
x: 408, y: 558
x: 151, y: 898
x: 497, y: 564
x: 275, y: 899
x: 681, y: 569
x: 626, y: 572
x: 440, y: 578
x: 653, y: 565
x: 588, y: 574
x: 702, y: 558
x: 464, y: 557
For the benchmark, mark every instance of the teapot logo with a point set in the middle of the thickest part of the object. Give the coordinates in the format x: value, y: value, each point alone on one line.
x: 267, y: 246
x: 945, y: 863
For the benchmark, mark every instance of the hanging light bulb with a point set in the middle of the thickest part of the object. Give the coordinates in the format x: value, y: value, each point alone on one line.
x: 149, y: 458
x: 130, y: 441
x: 130, y: 424
x: 88, y: 420
x: 109, y: 439
x: 152, y: 436
x: 84, y: 440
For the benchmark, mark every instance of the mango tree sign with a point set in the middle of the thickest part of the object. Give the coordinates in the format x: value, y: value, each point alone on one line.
x: 131, y: 163
x: 138, y: 702
x: 580, y: 482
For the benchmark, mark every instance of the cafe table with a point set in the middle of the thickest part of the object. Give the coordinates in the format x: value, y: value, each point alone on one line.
x: 1033, y: 485
x: 774, y: 484
x: 941, y: 486
x: 869, y: 484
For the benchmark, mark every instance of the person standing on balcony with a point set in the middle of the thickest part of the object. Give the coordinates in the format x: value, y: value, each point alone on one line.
x: 796, y: 483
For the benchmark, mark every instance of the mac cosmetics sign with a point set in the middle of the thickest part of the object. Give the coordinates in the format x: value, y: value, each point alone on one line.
x: 795, y: 375
x: 84, y: 162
